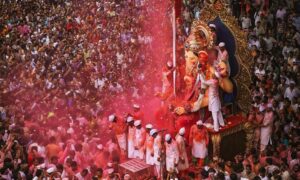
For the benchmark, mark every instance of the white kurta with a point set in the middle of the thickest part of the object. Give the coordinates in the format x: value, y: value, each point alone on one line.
x: 199, y: 149
x: 291, y: 93
x: 182, y: 153
x: 130, y: 145
x: 149, y: 149
x: 265, y: 132
x: 139, y: 141
x: 214, y: 103
x: 172, y: 156
x: 156, y: 149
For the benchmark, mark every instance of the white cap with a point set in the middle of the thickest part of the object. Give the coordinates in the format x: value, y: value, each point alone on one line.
x: 149, y: 126
x: 111, y: 118
x: 100, y: 146
x: 70, y: 131
x: 137, y: 122
x: 200, y: 122
x: 221, y: 44
x: 129, y: 119
x: 110, y: 171
x: 167, y: 137
x: 182, y: 131
x: 261, y: 108
x: 206, y: 168
x: 136, y: 106
x: 109, y: 164
x: 126, y: 177
x: 51, y: 170
x: 153, y: 131
x: 169, y: 64
x: 212, y: 25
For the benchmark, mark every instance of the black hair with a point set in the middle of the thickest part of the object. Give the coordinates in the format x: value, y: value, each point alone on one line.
x: 195, y: 53
x: 262, y: 170
x: 269, y: 161
x: 60, y: 167
x: 233, y: 176
x: 220, y: 176
x: 204, y: 173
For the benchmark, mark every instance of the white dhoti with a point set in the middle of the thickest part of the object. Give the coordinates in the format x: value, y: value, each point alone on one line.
x: 218, y: 119
x: 122, y: 141
x: 183, y: 165
x: 149, y: 158
x: 199, y: 149
x: 130, y: 149
x: 170, y: 164
x: 156, y: 162
x: 139, y: 153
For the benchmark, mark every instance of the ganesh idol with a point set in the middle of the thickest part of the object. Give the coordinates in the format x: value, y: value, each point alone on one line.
x: 206, y: 72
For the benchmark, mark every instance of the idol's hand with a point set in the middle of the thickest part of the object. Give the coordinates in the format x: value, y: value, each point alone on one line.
x: 179, y: 110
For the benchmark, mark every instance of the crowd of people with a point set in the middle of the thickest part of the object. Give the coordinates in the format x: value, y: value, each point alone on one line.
x: 60, y: 58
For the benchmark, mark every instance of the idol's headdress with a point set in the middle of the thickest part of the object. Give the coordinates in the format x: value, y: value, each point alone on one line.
x: 201, y: 37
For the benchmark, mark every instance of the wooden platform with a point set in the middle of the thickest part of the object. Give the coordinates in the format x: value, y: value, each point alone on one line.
x: 230, y: 140
x: 137, y: 169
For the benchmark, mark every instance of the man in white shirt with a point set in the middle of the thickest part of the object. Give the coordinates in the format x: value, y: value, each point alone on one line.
x: 246, y: 22
x: 286, y: 50
x: 254, y: 42
x: 270, y: 168
x: 172, y: 154
x: 291, y: 92
x: 281, y: 12
x: 269, y: 40
x: 139, y: 140
x: 260, y: 72
x: 81, y: 175
x: 157, y: 148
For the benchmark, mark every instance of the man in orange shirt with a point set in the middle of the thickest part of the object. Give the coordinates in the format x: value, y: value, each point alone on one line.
x: 199, y: 139
x: 52, y: 149
x: 119, y: 128
x: 99, y: 157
